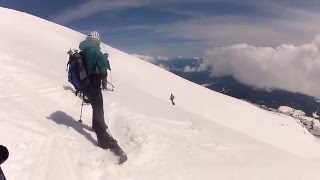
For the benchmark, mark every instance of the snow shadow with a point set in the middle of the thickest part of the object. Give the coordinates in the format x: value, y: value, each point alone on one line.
x: 62, y: 118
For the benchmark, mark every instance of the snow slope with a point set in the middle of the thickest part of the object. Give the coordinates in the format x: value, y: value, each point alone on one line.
x: 207, y: 135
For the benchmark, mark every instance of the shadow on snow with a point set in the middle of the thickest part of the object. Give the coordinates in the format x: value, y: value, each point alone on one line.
x: 62, y: 118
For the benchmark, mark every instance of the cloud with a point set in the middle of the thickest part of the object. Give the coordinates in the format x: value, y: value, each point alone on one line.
x: 288, y: 67
x: 164, y: 67
x: 150, y: 59
x: 184, y: 64
x: 292, y: 26
x: 190, y: 69
x: 262, y: 23
x: 93, y: 7
x: 154, y: 60
x: 202, y: 67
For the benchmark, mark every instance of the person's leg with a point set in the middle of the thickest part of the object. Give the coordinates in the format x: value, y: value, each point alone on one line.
x: 98, y: 121
x: 4, y: 154
x: 2, y: 177
x: 98, y: 124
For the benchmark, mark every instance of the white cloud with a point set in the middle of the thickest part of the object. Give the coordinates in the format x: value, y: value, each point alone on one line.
x: 203, y: 67
x: 150, y: 59
x: 164, y: 67
x: 288, y: 67
x: 200, y: 68
x: 190, y: 69
x: 162, y: 58
x: 292, y: 26
x: 93, y: 7
x: 158, y: 60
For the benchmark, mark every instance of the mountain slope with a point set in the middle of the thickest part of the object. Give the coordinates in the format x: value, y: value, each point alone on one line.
x: 207, y: 135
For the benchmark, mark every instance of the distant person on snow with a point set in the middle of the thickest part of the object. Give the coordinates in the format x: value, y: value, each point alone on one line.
x: 96, y: 68
x: 104, y: 78
x: 171, y: 99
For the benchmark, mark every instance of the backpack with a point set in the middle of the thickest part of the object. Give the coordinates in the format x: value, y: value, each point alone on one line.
x: 77, y: 74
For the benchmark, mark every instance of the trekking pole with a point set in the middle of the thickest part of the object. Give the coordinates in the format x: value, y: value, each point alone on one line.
x: 111, y: 81
x: 110, y: 76
x: 111, y: 85
x: 81, y: 111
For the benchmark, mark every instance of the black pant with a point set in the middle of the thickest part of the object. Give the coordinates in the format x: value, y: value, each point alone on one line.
x: 93, y: 92
x: 2, y: 177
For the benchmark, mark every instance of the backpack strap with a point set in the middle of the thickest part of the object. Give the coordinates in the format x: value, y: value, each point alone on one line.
x: 70, y: 58
x: 68, y: 65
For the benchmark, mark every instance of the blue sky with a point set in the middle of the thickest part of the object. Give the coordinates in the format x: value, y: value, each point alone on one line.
x: 182, y: 27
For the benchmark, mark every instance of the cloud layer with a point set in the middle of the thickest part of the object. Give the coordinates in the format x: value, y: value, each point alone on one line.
x: 288, y: 67
x: 93, y: 7
x: 285, y: 26
x: 190, y: 26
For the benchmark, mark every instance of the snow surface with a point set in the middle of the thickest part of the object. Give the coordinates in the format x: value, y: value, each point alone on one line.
x: 207, y: 135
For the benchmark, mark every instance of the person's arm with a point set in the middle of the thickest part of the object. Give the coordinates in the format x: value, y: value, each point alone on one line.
x: 107, y: 59
x: 108, y: 64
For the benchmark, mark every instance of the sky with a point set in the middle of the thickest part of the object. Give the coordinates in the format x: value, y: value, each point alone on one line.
x: 263, y: 43
x: 182, y: 27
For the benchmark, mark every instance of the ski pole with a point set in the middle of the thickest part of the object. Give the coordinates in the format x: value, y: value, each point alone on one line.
x: 81, y: 111
x: 110, y: 76
x: 111, y: 81
x: 111, y: 85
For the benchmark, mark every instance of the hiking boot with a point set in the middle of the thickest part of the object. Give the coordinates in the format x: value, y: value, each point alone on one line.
x: 108, y: 142
x: 115, y: 148
x: 103, y: 141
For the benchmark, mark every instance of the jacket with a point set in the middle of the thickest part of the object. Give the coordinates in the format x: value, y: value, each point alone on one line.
x: 95, y: 61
